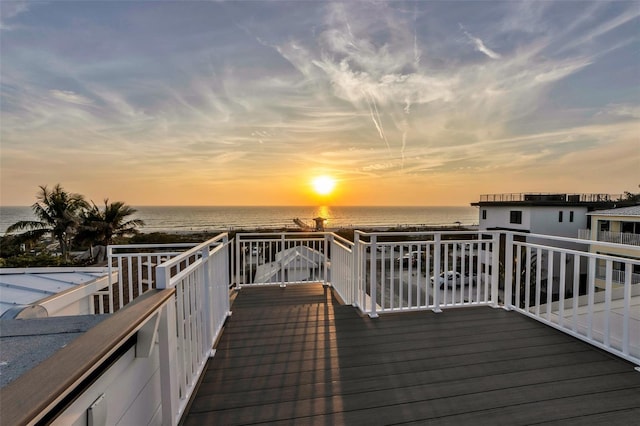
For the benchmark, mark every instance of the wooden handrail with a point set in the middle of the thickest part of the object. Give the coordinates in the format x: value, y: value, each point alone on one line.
x: 27, y: 399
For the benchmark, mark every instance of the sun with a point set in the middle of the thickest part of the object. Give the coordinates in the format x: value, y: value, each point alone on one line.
x: 323, y: 185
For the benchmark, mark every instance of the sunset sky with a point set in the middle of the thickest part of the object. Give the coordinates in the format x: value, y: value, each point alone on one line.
x: 246, y: 102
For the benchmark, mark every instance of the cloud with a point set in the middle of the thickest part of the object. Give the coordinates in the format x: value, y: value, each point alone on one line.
x: 480, y: 46
x: 367, y: 92
x: 622, y: 110
x: 560, y: 70
x: 9, y: 10
x: 603, y: 28
x: 359, y: 87
x: 70, y: 96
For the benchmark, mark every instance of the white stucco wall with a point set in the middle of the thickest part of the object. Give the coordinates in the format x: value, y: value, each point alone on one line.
x: 536, y: 219
x: 545, y: 221
x: 498, y: 217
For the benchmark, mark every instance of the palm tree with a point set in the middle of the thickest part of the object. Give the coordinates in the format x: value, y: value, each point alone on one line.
x: 102, y: 225
x: 58, y: 213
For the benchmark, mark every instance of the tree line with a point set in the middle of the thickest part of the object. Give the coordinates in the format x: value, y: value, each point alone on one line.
x: 71, y: 220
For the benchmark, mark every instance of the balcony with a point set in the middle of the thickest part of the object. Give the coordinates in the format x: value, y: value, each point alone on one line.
x: 330, y: 330
x: 618, y: 277
x: 612, y: 237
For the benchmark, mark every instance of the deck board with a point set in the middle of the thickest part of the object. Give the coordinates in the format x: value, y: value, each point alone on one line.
x: 295, y: 356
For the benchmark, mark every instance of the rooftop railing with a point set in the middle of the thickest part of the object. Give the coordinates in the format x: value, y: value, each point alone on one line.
x: 425, y: 270
x: 559, y: 282
x: 554, y: 280
x: 280, y: 258
x: 384, y: 272
x: 191, y: 325
x: 549, y: 197
x: 135, y: 268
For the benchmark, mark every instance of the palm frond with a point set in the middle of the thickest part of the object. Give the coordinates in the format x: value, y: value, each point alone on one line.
x: 31, y: 236
x: 27, y: 224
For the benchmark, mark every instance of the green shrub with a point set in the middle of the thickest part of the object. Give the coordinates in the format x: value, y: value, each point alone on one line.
x: 29, y: 260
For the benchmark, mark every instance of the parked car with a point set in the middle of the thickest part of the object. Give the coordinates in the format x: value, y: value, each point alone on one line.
x: 410, y: 256
x: 453, y: 278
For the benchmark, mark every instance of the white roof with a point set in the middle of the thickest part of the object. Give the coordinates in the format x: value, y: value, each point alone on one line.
x: 293, y: 257
x: 25, y: 286
x: 621, y: 211
x: 310, y: 256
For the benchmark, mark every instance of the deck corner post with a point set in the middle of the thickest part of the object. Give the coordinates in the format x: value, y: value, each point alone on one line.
x: 111, y: 283
x: 508, y: 271
x: 355, y: 270
x: 328, y: 241
x: 436, y: 272
x: 373, y: 284
x: 495, y: 269
x: 283, y: 245
x: 236, y: 259
x: 208, y: 295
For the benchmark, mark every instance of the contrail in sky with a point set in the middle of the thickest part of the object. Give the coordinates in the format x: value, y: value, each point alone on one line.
x: 416, y: 52
x: 376, y: 117
x: 404, y: 144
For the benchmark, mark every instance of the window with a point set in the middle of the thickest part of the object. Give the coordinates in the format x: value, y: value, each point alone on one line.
x: 571, y: 216
x: 515, y: 216
x: 560, y: 216
x: 630, y: 227
x: 484, y: 214
x: 604, y: 225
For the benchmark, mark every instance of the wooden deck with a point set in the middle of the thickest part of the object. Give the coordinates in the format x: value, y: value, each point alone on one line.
x: 295, y: 356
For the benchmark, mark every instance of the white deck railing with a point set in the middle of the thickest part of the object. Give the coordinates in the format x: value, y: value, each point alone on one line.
x: 135, y: 265
x: 281, y: 258
x: 584, y: 234
x: 617, y: 276
x: 552, y: 280
x: 619, y: 237
x: 341, y: 268
x: 612, y: 237
x: 191, y: 325
x: 425, y: 270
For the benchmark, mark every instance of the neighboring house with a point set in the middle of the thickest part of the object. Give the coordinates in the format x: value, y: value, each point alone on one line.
x: 560, y: 215
x: 621, y: 226
x: 554, y: 214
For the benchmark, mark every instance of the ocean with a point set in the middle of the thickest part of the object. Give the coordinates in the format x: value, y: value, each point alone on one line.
x: 207, y: 218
